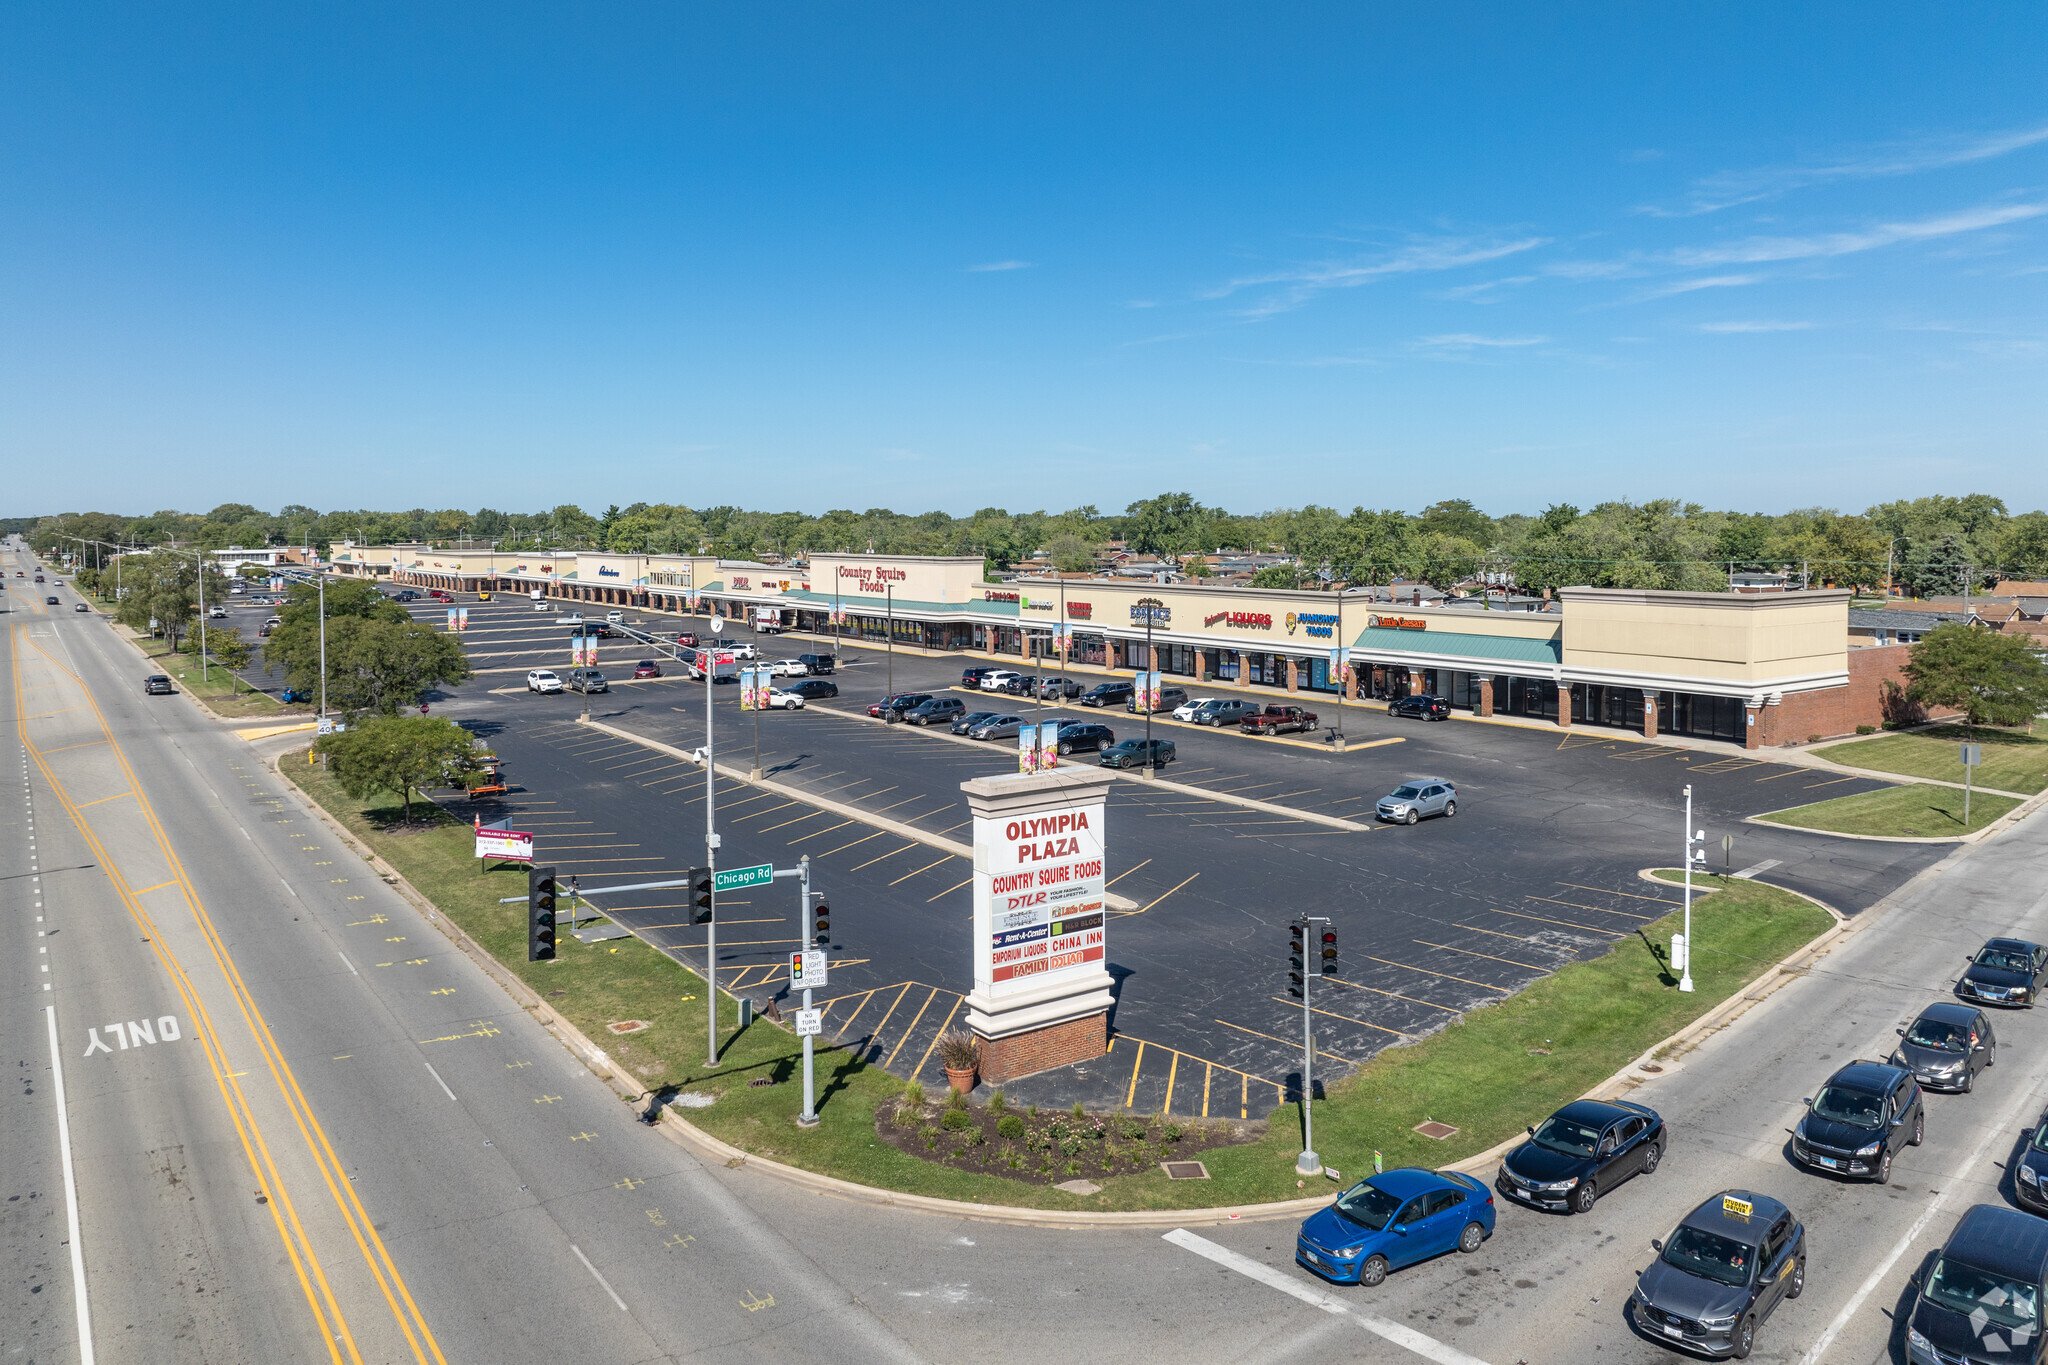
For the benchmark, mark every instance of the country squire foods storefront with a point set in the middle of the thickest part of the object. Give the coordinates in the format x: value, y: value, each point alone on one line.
x: 1739, y: 668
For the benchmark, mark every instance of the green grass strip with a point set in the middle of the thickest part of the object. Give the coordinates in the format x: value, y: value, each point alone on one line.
x: 1489, y: 1074
x: 1919, y: 810
x: 2014, y: 760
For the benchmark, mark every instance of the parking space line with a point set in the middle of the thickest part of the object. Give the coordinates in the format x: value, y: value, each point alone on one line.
x: 1545, y: 919
x: 767, y: 811
x: 950, y: 890
x: 1489, y: 956
x: 890, y: 854
x: 876, y: 1032
x: 1132, y: 1093
x: 1596, y: 909
x: 1367, y: 1023
x: 1143, y: 908
x: 1832, y: 781
x: 1125, y: 873
x: 1172, y: 1074
x: 1381, y: 990
x: 843, y: 847
x: 1285, y: 1042
x: 1208, y: 1070
x: 1630, y: 894
x: 1789, y: 772
x: 787, y: 823
x: 926, y: 868
x: 913, y: 1026
x: 958, y: 1001
x: 1428, y: 972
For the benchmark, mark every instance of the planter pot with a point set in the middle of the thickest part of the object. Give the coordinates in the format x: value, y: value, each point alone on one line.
x: 962, y: 1081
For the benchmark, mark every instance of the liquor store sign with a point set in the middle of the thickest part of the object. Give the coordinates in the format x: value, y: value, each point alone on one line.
x: 1038, y: 890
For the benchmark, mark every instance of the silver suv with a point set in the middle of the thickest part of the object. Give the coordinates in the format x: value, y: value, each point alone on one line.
x: 1417, y: 797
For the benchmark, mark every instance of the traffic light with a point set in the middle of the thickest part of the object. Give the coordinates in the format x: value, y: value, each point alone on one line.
x: 1329, y: 952
x: 700, y: 895
x: 540, y: 914
x: 822, y: 923
x: 1297, y: 957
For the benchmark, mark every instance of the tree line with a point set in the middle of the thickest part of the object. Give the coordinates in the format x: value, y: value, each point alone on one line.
x: 1932, y: 546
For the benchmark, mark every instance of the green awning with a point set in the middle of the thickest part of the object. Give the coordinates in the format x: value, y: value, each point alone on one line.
x: 1455, y: 644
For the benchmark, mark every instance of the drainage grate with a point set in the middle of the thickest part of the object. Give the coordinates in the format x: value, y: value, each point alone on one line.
x: 1433, y: 1129
x: 1184, y: 1170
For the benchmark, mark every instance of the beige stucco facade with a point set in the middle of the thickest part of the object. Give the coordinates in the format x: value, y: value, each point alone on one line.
x: 1721, y: 642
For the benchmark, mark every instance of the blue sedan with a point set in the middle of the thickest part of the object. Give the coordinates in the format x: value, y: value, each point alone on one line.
x: 1395, y: 1219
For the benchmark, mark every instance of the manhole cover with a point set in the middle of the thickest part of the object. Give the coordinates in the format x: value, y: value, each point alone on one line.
x: 627, y: 1026
x: 1436, y: 1130
x: 1184, y: 1170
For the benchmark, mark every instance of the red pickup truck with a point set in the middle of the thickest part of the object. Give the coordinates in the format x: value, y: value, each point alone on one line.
x: 1278, y: 720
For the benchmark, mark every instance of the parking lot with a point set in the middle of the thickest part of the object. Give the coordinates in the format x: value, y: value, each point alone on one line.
x: 1539, y: 866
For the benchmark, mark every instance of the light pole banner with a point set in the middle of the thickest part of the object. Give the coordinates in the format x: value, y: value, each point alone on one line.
x: 747, y: 688
x: 462, y: 618
x: 451, y: 619
x: 1027, y: 748
x: 1048, y: 746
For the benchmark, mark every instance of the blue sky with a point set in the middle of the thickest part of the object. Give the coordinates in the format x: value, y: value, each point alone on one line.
x: 946, y: 256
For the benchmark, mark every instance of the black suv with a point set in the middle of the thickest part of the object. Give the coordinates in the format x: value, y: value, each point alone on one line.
x: 813, y: 689
x: 1981, y: 1298
x: 892, y: 707
x: 586, y: 680
x: 1085, y: 735
x: 1421, y: 704
x: 1720, y: 1273
x: 1946, y: 1047
x: 1106, y: 694
x: 2005, y: 971
x: 1582, y: 1151
x: 937, y: 711
x: 1859, y: 1120
x: 817, y: 663
x: 971, y: 677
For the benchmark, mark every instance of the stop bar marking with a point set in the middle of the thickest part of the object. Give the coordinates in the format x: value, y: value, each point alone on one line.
x: 1427, y: 1347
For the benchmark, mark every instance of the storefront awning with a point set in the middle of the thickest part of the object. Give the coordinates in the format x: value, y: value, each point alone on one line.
x: 874, y: 604
x: 1453, y: 644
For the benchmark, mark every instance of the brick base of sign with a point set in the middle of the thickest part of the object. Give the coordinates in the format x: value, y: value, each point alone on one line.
x: 1035, y: 1050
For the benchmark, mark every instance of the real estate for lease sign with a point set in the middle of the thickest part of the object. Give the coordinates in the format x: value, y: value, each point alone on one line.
x: 1038, y: 889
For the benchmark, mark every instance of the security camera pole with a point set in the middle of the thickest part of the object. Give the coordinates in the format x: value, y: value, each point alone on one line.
x: 1308, y: 1163
x: 1693, y: 854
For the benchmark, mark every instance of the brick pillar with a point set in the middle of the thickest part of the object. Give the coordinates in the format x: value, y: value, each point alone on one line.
x: 1564, y: 705
x: 1486, y: 696
x: 1293, y: 675
x: 1753, y: 730
x: 1649, y: 715
x: 1244, y: 669
x: 1351, y: 683
x: 1414, y: 681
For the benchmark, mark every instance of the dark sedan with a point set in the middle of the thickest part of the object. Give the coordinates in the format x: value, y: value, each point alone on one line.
x: 813, y: 689
x: 962, y: 724
x: 51, y: 601
x: 1860, y: 1119
x: 1085, y: 735
x: 1720, y: 1273
x: 1582, y: 1151
x: 893, y: 706
x: 997, y: 727
x: 1946, y: 1046
x: 1421, y: 705
x: 1131, y: 753
x: 2005, y: 971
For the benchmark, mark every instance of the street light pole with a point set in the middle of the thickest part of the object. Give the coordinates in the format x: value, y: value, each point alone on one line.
x: 1150, y: 659
x: 710, y: 659
x: 889, y: 608
x: 1685, y: 977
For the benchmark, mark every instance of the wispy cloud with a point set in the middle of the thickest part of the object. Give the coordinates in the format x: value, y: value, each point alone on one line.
x: 1705, y: 282
x: 1289, y: 289
x: 1000, y: 265
x: 1756, y: 327
x: 1726, y: 189
x: 1756, y: 250
x: 1486, y: 291
x: 1468, y: 340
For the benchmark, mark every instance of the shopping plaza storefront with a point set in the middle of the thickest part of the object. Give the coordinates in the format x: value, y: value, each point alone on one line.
x: 1747, y: 669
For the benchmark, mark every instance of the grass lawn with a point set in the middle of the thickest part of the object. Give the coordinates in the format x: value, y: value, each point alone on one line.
x: 2014, y: 760
x: 1496, y: 1070
x: 222, y: 693
x: 1916, y: 811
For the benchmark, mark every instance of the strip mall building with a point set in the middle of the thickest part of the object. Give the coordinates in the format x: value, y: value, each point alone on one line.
x: 1750, y: 669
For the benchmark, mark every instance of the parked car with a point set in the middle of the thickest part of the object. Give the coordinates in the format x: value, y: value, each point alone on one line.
x: 2005, y: 971
x: 971, y: 677
x: 742, y: 649
x: 1278, y: 720
x: 1187, y: 709
x: 813, y: 689
x: 788, y: 668
x: 1582, y: 1151
x: 1084, y: 735
x: 1021, y: 685
x: 439, y: 596
x: 587, y: 680
x: 569, y: 618
x: 1981, y: 1299
x: 408, y: 595
x: 686, y: 637
x: 1394, y: 1219
x: 1421, y: 705
x: 1720, y: 1273
x: 216, y: 613
x: 155, y: 685
x: 1417, y: 797
x: 647, y: 668
x: 1131, y: 753
x: 997, y: 727
x: 1946, y: 1047
x: 780, y: 699
x: 617, y: 618
x: 997, y: 680
x: 1859, y: 1120
x: 818, y: 663
x: 937, y: 711
x: 1056, y: 689
x: 1221, y: 711
x: 1169, y: 699
x: 897, y: 703
x: 967, y: 720
x: 543, y: 680
x: 1106, y: 694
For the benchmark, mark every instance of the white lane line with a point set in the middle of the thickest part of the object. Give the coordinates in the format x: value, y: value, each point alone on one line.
x: 599, y: 1278
x: 1765, y: 866
x: 437, y: 1080
x: 346, y: 963
x: 1428, y: 1347
x: 2000, y: 1129
x: 85, y: 1356
x: 287, y: 886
